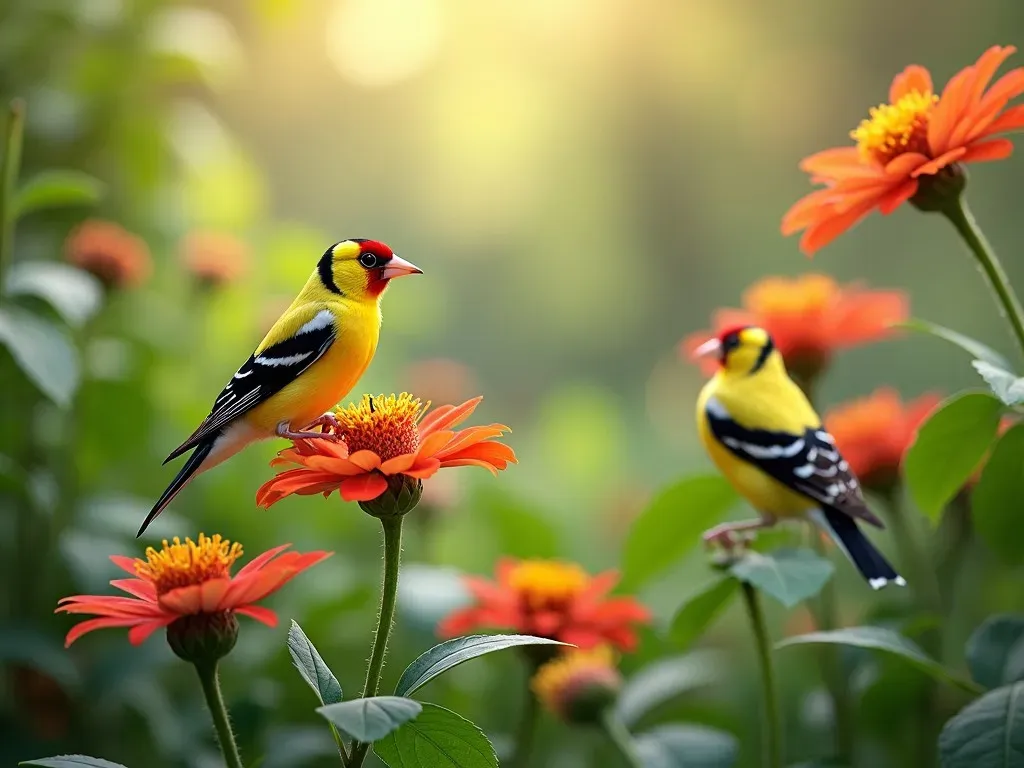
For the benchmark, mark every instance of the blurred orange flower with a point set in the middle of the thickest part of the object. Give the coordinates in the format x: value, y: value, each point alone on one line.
x: 110, y: 252
x: 441, y: 379
x: 810, y: 317
x: 188, y: 580
x: 579, y: 684
x: 917, y: 139
x: 553, y: 599
x: 382, y: 439
x: 214, y: 258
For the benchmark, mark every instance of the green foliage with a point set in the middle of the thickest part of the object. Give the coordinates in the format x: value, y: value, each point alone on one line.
x: 788, y: 575
x: 996, y: 499
x: 312, y: 667
x: 692, y: 746
x: 971, y: 346
x: 701, y: 609
x: 995, y: 651
x: 438, y: 738
x: 1007, y: 386
x: 664, y: 680
x: 43, y: 352
x: 57, y: 189
x: 987, y: 733
x: 75, y: 294
x: 371, y: 718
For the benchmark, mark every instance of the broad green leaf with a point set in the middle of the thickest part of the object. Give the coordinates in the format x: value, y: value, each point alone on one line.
x: 664, y: 680
x: 451, y: 653
x: 74, y: 293
x: 57, y: 189
x: 971, y: 346
x: 888, y: 641
x: 312, y: 667
x: 43, y: 352
x: 788, y: 575
x: 948, y: 447
x: 672, y: 525
x: 996, y: 500
x: 438, y: 738
x: 995, y: 651
x: 1007, y: 386
x: 71, y: 761
x: 700, y: 610
x: 987, y: 733
x: 370, y: 719
x: 687, y: 746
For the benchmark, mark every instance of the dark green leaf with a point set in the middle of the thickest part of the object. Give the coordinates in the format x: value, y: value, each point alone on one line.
x: 451, y: 653
x: 311, y: 666
x: 1007, y: 386
x: 672, y: 525
x: 664, y: 680
x: 55, y: 189
x: 687, y: 746
x: 74, y: 293
x: 948, y: 447
x: 373, y: 718
x: 987, y: 733
x: 995, y: 503
x: 43, y: 352
x: 788, y: 575
x: 971, y: 346
x: 438, y: 738
x: 71, y: 761
x: 995, y: 651
x: 888, y: 641
x: 697, y: 613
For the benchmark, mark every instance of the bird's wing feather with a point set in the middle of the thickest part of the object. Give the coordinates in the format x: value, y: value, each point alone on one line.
x: 807, y: 462
x: 267, y: 372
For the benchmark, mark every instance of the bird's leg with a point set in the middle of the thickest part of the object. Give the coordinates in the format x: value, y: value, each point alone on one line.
x: 729, y: 535
x: 328, y: 423
x: 284, y: 430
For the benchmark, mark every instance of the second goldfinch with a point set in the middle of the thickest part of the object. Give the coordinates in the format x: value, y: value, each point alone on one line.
x: 765, y: 437
x: 308, y: 361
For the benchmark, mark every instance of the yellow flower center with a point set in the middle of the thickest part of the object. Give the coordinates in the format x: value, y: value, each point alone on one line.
x: 384, y: 425
x: 547, y: 583
x: 179, y: 565
x: 895, y: 129
x: 782, y: 296
x: 557, y: 681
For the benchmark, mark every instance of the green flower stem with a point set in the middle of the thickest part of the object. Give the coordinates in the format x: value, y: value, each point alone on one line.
x: 962, y: 219
x: 215, y: 701
x: 620, y: 737
x: 772, y: 744
x: 389, y: 593
x: 526, y: 731
x: 9, y: 167
x: 921, y: 575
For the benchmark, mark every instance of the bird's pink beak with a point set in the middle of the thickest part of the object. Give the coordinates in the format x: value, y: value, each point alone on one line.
x: 397, y: 267
x: 708, y: 348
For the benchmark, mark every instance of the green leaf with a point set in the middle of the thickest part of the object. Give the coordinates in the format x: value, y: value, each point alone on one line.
x: 373, y: 718
x: 438, y: 738
x: 43, y: 352
x: 71, y: 761
x: 687, y: 746
x: 74, y: 293
x: 971, y: 346
x: 672, y: 525
x: 948, y: 447
x: 451, y: 653
x: 1007, y: 386
x: 888, y: 641
x: 57, y: 189
x: 987, y: 733
x: 311, y: 666
x: 664, y: 680
x: 702, y: 608
x: 788, y: 575
x: 995, y: 503
x: 995, y: 651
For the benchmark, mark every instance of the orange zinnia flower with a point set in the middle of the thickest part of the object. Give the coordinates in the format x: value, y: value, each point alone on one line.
x: 917, y: 139
x: 579, y: 684
x: 809, y: 318
x: 550, y: 599
x: 385, y: 440
x: 874, y: 432
x: 110, y: 252
x: 214, y: 258
x: 191, y: 582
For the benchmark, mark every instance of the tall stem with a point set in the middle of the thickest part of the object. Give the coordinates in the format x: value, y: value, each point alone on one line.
x: 215, y: 701
x: 525, y: 732
x: 9, y: 167
x: 962, y: 219
x: 389, y: 593
x: 621, y: 738
x: 772, y: 738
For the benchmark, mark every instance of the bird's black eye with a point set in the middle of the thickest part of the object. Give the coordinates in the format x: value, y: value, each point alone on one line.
x: 730, y: 342
x: 369, y: 260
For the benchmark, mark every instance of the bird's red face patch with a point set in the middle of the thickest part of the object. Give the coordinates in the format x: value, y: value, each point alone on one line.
x: 375, y: 280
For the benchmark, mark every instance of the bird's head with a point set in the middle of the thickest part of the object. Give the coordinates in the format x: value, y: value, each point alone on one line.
x: 741, y: 350
x: 361, y: 269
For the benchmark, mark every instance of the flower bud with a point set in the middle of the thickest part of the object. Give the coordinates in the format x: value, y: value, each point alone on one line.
x: 936, y: 192
x: 401, y: 497
x: 579, y: 686
x: 203, y: 638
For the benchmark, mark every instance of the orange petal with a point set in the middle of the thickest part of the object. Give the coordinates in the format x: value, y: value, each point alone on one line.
x: 107, y: 605
x: 398, y: 464
x: 304, y: 482
x: 946, y: 114
x: 195, y: 598
x: 261, y: 560
x: 988, y: 63
x: 897, y: 197
x: 470, y: 463
x: 363, y: 487
x: 904, y: 165
x: 807, y: 210
x: 136, y: 587
x: 1011, y: 120
x: 467, y: 437
x: 256, y: 586
x: 449, y: 419
x: 126, y: 564
x: 140, y: 632
x: 824, y: 232
x: 424, y: 467
x: 913, y: 78
x: 489, y: 451
x: 365, y: 460
x: 983, y: 151
x: 934, y: 166
x: 837, y: 163
x: 88, y: 626
x: 434, y: 442
x: 258, y: 612
x: 861, y: 317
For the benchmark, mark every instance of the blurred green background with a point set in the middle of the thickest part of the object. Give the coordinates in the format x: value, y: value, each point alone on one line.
x: 583, y: 183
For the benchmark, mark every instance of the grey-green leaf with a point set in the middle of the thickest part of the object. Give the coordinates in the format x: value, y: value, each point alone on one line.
x: 373, y: 718
x: 995, y: 651
x: 987, y: 733
x: 664, y: 680
x: 1007, y: 386
x: 995, y: 502
x: 687, y: 746
x: 74, y: 293
x: 451, y: 653
x: 700, y: 610
x: 973, y: 347
x: 312, y: 667
x: 887, y: 641
x: 71, y: 761
x: 438, y: 738
x: 57, y: 189
x: 948, y: 447
x: 43, y: 352
x: 788, y: 575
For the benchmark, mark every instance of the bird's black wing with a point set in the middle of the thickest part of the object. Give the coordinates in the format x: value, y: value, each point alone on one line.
x: 264, y: 374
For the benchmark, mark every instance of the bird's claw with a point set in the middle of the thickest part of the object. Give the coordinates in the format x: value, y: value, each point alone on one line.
x: 328, y: 423
x: 285, y: 431
x: 727, y: 538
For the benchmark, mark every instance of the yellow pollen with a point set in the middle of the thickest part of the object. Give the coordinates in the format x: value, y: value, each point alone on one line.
x: 574, y: 668
x: 547, y: 583
x: 784, y: 296
x: 179, y: 565
x: 895, y: 129
x: 384, y: 425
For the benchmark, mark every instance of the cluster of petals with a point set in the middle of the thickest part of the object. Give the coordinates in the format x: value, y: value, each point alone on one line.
x: 117, y: 257
x: 561, y: 682
x: 214, y: 257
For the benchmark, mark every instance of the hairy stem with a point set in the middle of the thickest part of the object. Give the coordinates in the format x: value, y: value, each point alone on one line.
x: 772, y: 737
x: 210, y: 681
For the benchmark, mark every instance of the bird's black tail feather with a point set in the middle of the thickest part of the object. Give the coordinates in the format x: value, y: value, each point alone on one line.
x: 180, y: 481
x: 851, y: 539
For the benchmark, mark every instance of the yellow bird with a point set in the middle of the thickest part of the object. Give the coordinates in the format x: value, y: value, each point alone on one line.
x: 765, y: 437
x: 310, y: 359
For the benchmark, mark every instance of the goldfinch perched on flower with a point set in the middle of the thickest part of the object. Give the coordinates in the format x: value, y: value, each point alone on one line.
x: 312, y: 356
x: 764, y: 436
